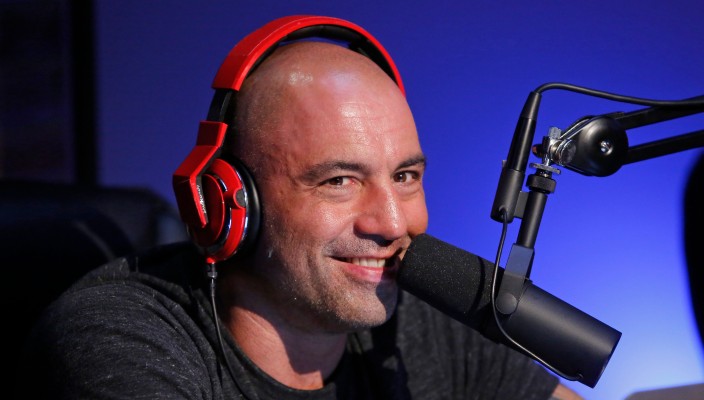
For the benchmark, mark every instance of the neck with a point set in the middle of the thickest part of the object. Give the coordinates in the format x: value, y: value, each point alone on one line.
x: 293, y: 354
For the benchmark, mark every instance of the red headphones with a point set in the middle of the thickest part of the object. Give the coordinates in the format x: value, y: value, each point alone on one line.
x: 217, y: 197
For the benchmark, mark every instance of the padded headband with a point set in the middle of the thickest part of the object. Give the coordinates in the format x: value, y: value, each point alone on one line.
x: 249, y: 52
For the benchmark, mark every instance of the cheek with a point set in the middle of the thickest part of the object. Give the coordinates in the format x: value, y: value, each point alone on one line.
x: 323, y: 221
x: 306, y: 220
x: 416, y: 216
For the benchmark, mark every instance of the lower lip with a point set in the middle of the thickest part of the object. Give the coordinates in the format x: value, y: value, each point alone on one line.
x: 372, y: 274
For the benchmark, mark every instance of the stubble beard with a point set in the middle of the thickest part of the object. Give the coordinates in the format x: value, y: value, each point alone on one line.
x: 333, y: 303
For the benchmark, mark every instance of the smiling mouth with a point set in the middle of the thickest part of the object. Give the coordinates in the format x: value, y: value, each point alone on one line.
x: 370, y: 262
x: 375, y: 262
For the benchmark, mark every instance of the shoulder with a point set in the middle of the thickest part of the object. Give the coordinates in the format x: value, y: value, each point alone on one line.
x: 152, y: 289
x: 129, y: 326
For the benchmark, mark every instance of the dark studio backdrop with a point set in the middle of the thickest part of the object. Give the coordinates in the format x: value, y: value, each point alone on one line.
x: 611, y: 246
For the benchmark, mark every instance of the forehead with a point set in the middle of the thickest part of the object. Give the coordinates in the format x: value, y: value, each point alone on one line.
x: 347, y: 127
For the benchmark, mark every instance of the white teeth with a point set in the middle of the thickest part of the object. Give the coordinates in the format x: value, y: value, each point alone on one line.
x: 368, y: 262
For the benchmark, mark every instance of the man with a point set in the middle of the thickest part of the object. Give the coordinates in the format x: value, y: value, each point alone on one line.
x: 313, y: 311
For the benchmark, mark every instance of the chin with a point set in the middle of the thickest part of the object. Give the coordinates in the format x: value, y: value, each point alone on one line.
x: 372, y: 315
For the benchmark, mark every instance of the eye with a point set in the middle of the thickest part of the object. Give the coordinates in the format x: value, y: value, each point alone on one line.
x: 406, y: 176
x: 338, y: 189
x: 338, y: 181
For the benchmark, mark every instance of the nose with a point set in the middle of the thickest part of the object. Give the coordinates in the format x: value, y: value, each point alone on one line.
x: 381, y: 216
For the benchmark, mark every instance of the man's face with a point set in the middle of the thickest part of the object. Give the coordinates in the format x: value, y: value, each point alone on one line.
x: 342, y: 196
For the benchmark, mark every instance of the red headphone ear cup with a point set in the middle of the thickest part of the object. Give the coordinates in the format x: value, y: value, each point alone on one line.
x: 231, y: 201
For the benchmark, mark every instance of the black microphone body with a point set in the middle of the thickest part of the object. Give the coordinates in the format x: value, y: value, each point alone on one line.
x: 459, y: 284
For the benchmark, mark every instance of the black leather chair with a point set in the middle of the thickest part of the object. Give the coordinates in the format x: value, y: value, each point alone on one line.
x: 51, y: 234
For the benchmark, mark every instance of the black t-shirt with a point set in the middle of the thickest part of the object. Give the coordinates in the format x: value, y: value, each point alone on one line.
x: 142, y: 328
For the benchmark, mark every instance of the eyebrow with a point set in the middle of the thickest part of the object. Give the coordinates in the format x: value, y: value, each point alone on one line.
x: 414, y: 161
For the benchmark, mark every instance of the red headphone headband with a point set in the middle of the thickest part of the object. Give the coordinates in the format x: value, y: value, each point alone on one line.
x: 257, y: 44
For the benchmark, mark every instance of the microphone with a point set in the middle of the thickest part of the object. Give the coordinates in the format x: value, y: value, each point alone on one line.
x: 458, y: 283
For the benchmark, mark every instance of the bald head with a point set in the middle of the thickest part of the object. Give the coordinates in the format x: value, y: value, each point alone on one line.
x: 292, y: 79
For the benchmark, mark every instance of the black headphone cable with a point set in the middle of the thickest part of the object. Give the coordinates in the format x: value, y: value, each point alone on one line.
x: 212, y: 276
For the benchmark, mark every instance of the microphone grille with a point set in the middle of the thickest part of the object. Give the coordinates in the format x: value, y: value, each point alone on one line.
x: 448, y: 278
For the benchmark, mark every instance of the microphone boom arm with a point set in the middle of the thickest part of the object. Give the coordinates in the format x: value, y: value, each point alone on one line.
x: 591, y: 146
x: 598, y: 145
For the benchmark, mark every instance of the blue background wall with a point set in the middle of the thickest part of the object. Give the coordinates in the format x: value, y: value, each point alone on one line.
x: 610, y: 246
